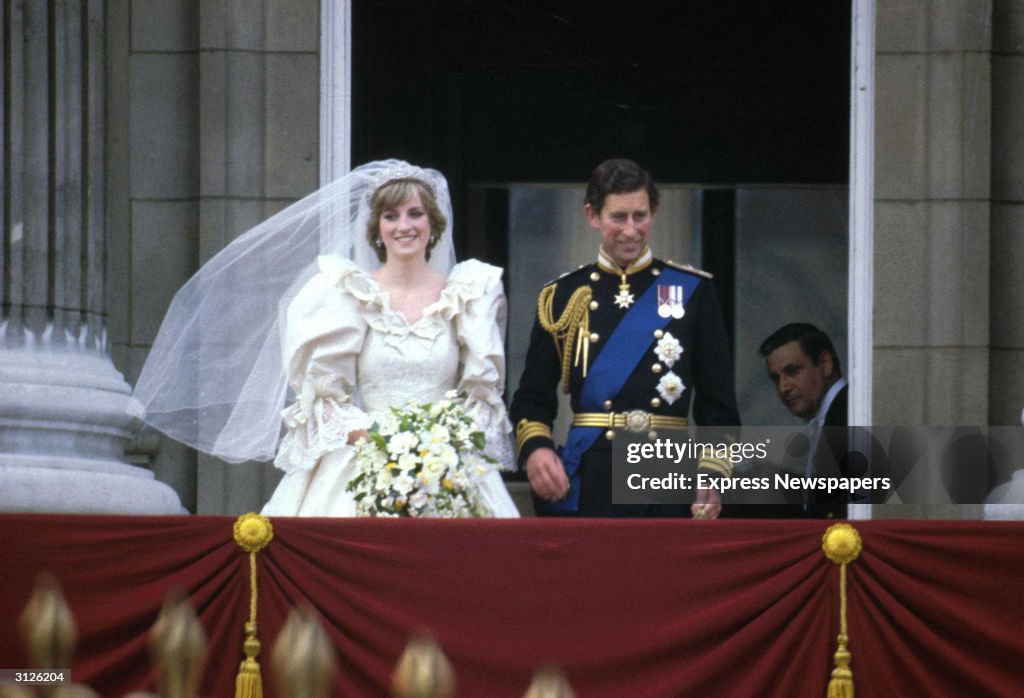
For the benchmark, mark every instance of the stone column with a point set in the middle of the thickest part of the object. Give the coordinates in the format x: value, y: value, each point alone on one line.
x: 258, y: 118
x: 1006, y: 363
x: 64, y: 416
x: 1007, y: 357
x: 932, y: 207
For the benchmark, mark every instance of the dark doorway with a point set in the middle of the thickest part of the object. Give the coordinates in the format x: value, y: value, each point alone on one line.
x: 705, y: 91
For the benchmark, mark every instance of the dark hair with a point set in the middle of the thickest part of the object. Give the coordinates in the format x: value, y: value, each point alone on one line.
x: 812, y: 342
x: 619, y: 176
x: 393, y: 194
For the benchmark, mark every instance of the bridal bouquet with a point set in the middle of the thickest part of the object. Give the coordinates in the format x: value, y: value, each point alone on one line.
x: 422, y: 460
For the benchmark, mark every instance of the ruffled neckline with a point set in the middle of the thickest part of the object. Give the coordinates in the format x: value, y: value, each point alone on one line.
x: 466, y: 282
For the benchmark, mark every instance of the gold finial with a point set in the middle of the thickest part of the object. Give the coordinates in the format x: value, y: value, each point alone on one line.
x: 841, y: 543
x: 178, y: 645
x: 423, y: 671
x: 550, y: 683
x: 48, y: 627
x: 77, y: 690
x: 253, y: 532
x: 303, y: 657
x: 10, y: 690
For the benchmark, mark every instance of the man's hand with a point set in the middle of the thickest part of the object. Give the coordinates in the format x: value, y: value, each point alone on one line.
x: 547, y: 475
x: 707, y: 505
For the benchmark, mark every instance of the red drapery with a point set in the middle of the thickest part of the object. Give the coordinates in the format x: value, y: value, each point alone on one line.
x: 627, y: 608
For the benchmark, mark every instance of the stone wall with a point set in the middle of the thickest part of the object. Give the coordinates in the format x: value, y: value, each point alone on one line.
x: 213, y: 126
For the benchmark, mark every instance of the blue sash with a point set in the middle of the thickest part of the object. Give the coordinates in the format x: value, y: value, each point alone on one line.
x: 611, y: 368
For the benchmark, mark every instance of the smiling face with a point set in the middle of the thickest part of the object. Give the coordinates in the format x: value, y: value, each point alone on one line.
x: 405, y: 229
x: 624, y: 222
x: 404, y: 199
x: 800, y: 384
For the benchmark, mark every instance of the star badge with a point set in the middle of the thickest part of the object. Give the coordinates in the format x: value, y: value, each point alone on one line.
x: 624, y: 299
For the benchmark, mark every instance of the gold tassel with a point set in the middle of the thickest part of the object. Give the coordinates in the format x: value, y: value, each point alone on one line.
x: 249, y: 683
x: 842, y: 545
x: 252, y: 533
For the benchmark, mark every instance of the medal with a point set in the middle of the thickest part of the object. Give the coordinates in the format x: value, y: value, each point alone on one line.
x: 624, y: 299
x: 670, y: 302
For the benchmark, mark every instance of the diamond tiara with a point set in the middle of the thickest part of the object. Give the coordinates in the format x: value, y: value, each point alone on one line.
x: 399, y: 170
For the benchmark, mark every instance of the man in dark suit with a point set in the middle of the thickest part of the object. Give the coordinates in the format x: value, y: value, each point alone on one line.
x: 808, y: 377
x: 633, y: 340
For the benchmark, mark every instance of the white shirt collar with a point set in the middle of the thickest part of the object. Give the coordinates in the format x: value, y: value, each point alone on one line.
x: 819, y: 418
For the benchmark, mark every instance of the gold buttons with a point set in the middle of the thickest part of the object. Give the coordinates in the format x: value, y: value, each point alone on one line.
x: 593, y: 305
x: 594, y: 276
x: 594, y: 336
x: 656, y: 402
x: 656, y: 368
x: 658, y: 334
x: 655, y: 272
x: 607, y: 404
x: 610, y: 434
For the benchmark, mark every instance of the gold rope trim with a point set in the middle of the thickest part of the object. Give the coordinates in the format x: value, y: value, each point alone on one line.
x: 571, y: 327
x: 842, y: 544
x: 252, y: 533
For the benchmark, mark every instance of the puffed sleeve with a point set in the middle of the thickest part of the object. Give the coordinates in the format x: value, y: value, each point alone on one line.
x: 480, y: 327
x: 323, y: 337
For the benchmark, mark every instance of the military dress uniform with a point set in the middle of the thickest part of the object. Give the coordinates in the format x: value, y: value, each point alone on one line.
x: 685, y: 357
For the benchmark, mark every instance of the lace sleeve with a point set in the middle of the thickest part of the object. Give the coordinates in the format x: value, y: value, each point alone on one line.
x: 480, y: 326
x: 324, y: 334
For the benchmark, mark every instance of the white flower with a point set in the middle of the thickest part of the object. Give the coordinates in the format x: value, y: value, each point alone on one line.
x: 437, y: 436
x: 408, y: 461
x: 383, y: 480
x: 388, y: 425
x: 433, y: 468
x: 448, y: 456
x: 670, y: 387
x: 668, y: 349
x: 402, y: 442
x: 404, y: 484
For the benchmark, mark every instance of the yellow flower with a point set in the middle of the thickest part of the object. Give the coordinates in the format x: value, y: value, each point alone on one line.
x: 399, y: 504
x: 447, y: 484
x: 391, y: 465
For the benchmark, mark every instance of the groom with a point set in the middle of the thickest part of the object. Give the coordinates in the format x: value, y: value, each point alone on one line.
x: 667, y: 347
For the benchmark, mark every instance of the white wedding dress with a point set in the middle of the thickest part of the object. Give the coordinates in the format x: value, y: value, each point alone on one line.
x: 350, y: 357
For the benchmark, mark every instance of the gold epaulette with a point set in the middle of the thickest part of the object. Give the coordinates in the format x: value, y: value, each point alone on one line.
x: 526, y: 430
x: 571, y: 329
x: 690, y: 269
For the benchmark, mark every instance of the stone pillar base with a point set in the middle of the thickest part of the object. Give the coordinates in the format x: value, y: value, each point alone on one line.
x: 64, y: 422
x: 63, y: 490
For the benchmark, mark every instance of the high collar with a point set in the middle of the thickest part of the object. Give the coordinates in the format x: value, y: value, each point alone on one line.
x: 609, y: 265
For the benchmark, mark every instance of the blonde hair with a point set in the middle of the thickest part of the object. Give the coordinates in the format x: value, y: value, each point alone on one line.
x: 393, y: 194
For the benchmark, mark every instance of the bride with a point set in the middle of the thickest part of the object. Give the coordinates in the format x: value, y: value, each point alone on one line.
x: 344, y: 305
